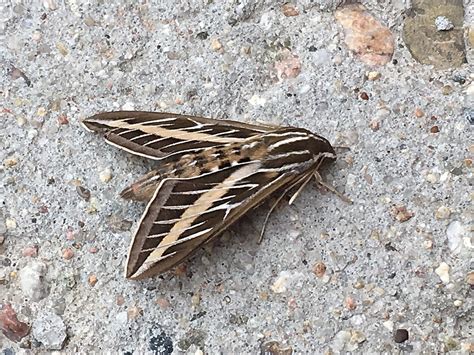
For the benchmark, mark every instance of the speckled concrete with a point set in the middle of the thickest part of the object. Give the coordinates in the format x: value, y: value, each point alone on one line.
x: 328, y: 277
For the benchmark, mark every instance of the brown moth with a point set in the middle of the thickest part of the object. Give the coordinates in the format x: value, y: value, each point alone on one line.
x: 209, y: 173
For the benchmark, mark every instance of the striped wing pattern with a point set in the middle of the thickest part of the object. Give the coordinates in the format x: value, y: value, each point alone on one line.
x: 186, y: 213
x: 212, y: 172
x: 165, y: 136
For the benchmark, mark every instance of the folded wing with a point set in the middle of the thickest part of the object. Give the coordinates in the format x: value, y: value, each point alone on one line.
x: 160, y: 136
x: 186, y: 213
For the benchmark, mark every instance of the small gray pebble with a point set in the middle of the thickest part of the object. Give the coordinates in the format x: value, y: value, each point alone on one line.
x: 49, y: 329
x: 443, y: 23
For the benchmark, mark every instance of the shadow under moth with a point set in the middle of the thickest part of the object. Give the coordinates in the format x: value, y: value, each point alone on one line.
x: 209, y: 174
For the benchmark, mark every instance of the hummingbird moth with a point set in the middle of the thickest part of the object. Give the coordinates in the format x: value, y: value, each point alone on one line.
x: 209, y: 173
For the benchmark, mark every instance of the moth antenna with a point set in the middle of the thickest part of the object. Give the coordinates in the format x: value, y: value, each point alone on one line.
x: 321, y: 182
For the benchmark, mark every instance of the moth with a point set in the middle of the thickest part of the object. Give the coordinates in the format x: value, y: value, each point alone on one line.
x: 209, y: 173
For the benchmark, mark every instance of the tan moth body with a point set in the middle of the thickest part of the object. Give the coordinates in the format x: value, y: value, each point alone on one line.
x: 209, y: 174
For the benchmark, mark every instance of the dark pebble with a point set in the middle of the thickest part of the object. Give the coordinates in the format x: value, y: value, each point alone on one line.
x: 400, y: 336
x: 364, y: 96
x: 202, y: 35
x: 458, y: 78
x: 159, y: 342
x: 83, y: 192
x: 6, y: 261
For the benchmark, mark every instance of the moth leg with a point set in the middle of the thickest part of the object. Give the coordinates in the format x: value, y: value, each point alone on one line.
x: 279, y: 199
x: 321, y: 182
x: 295, y: 195
x: 268, y: 215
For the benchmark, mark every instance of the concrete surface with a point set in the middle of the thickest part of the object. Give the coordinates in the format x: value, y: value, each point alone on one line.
x: 329, y: 277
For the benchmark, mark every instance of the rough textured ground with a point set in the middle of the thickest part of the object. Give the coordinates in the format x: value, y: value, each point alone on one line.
x: 328, y: 276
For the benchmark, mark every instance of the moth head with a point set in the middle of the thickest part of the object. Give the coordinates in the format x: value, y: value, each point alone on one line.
x: 323, y: 151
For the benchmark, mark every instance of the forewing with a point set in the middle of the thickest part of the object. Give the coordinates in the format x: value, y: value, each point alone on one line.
x: 185, y: 213
x: 159, y: 136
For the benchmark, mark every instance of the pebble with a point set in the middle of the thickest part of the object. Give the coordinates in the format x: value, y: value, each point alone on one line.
x: 134, y: 312
x: 357, y: 337
x: 401, y: 213
x: 121, y: 318
x: 68, y: 254
x: 256, y: 100
x: 373, y: 75
x: 10, y: 162
x: 284, y: 279
x: 10, y: 325
x: 32, y: 280
x: 31, y: 251
x: 289, y: 10
x: 105, y: 175
x: 442, y: 212
x: 443, y: 272
x: 84, y: 193
x: 273, y: 347
x: 364, y: 96
x: 432, y: 178
x: 36, y: 36
x: 10, y: 223
x: 163, y: 303
x: 371, y: 41
x: 388, y: 324
x: 470, y: 278
x: 49, y: 329
x: 400, y: 335
x: 196, y: 299
x: 455, y: 233
x: 419, y: 112
x: 159, y: 342
x: 350, y: 303
x: 21, y: 121
x: 374, y: 125
x: 216, y: 45
x: 342, y: 338
x: 289, y: 66
x: 41, y: 112
x: 447, y: 89
x: 92, y: 279
x: 119, y: 300
x: 62, y: 120
x: 434, y: 129
x: 443, y: 23
x: 319, y: 269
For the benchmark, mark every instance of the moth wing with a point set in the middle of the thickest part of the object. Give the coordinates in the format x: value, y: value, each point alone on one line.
x: 158, y: 136
x: 186, y: 213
